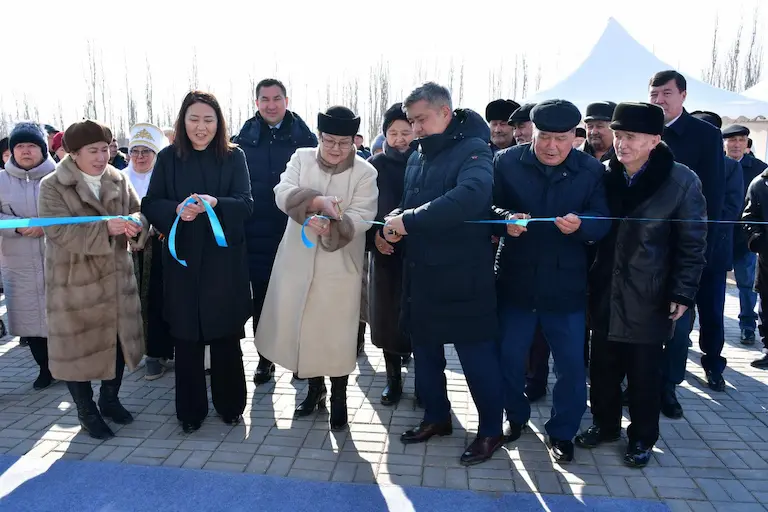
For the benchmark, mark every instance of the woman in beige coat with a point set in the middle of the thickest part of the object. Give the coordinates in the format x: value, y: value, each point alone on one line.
x: 310, y: 318
x: 94, y: 315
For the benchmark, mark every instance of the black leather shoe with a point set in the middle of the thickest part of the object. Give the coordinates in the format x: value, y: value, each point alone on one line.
x: 594, y: 436
x: 637, y: 455
x: 670, y: 407
x: 747, y: 337
x: 264, y: 372
x: 190, y: 426
x: 534, y: 394
x: 562, y: 451
x: 424, y: 431
x: 761, y: 363
x: 513, y: 431
x: 232, y: 420
x: 715, y: 381
x: 111, y: 407
x: 480, y: 450
x: 315, y: 399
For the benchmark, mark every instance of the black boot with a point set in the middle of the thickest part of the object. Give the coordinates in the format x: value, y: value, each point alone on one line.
x: 394, y: 390
x: 315, y: 398
x: 87, y: 413
x: 264, y: 371
x: 339, y: 403
x: 39, y: 349
x: 360, y: 338
x: 110, y: 405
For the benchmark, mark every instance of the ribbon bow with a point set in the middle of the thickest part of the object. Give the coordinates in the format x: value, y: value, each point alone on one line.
x: 218, y: 232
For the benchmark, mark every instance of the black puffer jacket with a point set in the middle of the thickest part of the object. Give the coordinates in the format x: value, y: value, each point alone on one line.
x: 643, y: 266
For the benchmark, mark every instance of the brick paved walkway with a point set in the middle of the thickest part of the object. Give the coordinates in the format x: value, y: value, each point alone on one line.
x: 714, y: 459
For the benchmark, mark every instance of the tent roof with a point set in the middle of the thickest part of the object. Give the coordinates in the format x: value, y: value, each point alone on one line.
x: 759, y: 91
x: 618, y: 69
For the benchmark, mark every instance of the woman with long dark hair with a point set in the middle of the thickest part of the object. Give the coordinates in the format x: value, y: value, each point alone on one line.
x: 387, y: 259
x: 208, y: 301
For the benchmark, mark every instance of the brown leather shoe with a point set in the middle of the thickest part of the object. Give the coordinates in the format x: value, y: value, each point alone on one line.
x: 424, y: 431
x: 480, y: 450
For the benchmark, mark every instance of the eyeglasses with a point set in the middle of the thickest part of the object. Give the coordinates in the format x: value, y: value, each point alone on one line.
x: 141, y: 152
x: 330, y: 144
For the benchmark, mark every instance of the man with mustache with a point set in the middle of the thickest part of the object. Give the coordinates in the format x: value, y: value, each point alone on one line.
x: 497, y: 114
x: 599, y: 135
x: 542, y: 275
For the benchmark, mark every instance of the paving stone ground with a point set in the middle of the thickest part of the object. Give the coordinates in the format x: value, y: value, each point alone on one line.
x: 714, y: 459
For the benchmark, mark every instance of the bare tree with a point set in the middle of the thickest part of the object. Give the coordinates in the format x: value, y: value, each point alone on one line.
x: 194, y: 79
x: 460, y: 99
x: 753, y: 62
x: 148, y: 93
x: 711, y: 75
x: 732, y: 71
x: 92, y: 81
x: 496, y: 82
x: 537, y: 79
x: 130, y: 101
x: 524, y: 77
x: 351, y: 94
x: 27, y: 110
x: 378, y: 96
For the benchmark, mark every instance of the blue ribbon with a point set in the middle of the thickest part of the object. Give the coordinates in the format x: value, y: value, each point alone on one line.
x: 43, y: 222
x: 218, y: 232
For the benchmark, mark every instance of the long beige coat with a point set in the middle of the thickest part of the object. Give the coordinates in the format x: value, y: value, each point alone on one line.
x: 310, y: 317
x: 91, y: 292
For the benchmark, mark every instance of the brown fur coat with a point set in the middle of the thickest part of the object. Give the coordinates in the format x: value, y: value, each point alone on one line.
x: 91, y: 292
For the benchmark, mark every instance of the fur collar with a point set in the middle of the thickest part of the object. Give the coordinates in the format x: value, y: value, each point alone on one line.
x: 338, y: 168
x: 68, y: 174
x: 623, y: 200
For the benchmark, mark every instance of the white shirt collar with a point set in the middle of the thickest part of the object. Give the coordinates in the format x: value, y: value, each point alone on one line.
x: 673, y: 121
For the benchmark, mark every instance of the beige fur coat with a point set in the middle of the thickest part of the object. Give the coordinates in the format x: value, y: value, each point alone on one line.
x: 311, y: 312
x: 91, y: 291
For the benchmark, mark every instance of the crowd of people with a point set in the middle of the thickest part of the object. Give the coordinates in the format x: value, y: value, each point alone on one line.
x: 593, y: 245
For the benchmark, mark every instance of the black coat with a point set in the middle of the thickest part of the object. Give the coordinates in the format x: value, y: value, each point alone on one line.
x: 699, y: 146
x: 210, y: 298
x: 756, y: 209
x: 267, y: 153
x: 385, y: 285
x: 752, y: 168
x: 641, y: 267
x: 543, y: 268
x: 448, y: 281
x: 732, y: 208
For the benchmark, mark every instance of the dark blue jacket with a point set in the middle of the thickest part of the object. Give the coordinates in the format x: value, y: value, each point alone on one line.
x: 543, y: 268
x: 448, y: 280
x: 734, y: 204
x: 267, y: 154
x: 752, y: 168
x: 699, y: 146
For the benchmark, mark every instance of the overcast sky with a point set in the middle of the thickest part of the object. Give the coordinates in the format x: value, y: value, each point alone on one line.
x: 310, y: 43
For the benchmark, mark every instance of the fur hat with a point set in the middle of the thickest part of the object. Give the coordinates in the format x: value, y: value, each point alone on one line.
x: 84, y: 133
x: 27, y: 132
x: 709, y: 117
x: 600, y: 111
x: 638, y: 118
x: 500, y: 110
x: 339, y: 121
x: 393, y: 113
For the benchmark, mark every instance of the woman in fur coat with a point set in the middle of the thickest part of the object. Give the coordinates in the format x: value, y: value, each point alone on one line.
x: 94, y: 314
x: 309, y: 323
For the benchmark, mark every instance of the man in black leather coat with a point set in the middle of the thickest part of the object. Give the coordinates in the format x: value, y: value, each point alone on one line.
x: 645, y: 277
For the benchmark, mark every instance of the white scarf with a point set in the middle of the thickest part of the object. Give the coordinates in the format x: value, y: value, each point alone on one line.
x: 139, y: 181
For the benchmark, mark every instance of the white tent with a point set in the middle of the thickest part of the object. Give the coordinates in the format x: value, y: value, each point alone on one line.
x: 759, y: 91
x: 618, y: 69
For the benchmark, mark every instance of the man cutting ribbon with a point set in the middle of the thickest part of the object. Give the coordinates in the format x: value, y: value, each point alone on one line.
x: 543, y: 266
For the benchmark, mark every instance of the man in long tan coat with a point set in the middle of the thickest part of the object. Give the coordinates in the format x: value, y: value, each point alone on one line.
x: 309, y: 323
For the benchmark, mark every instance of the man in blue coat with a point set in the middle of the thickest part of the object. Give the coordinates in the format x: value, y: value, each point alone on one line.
x: 697, y: 145
x: 712, y: 337
x: 268, y: 139
x: 736, y: 142
x: 542, y: 279
x: 448, y: 278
